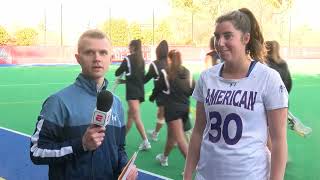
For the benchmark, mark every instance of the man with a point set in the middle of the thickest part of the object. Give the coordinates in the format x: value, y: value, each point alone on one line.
x: 64, y: 138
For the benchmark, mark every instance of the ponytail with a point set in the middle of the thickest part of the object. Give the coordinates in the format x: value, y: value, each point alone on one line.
x: 176, y: 62
x: 255, y: 46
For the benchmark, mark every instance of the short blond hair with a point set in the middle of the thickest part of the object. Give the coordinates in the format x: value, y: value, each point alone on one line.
x: 94, y: 34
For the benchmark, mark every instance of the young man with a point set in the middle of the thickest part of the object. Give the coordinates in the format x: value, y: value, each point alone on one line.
x: 64, y: 139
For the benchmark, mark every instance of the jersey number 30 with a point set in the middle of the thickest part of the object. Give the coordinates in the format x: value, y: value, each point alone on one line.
x: 224, y: 131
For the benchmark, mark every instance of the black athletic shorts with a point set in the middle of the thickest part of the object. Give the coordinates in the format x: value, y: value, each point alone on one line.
x: 170, y: 115
x: 134, y: 92
x: 160, y: 99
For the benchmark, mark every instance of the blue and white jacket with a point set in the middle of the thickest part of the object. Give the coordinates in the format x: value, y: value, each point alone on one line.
x: 57, y: 140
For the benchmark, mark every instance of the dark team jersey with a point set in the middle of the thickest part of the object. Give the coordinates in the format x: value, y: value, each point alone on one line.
x: 133, y: 67
x: 155, y: 70
x: 177, y: 90
x: 284, y: 72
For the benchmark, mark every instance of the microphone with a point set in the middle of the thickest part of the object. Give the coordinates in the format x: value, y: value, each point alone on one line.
x: 101, y: 115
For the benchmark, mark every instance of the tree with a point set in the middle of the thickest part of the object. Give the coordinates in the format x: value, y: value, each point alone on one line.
x: 147, y: 37
x: 26, y: 37
x: 162, y: 32
x: 280, y: 4
x: 117, y: 29
x: 190, y: 6
x: 135, y: 31
x: 4, y: 36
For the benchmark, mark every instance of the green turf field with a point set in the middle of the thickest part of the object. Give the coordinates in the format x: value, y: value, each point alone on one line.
x: 23, y: 89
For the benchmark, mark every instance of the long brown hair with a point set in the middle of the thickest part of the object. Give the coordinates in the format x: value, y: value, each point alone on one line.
x: 136, y: 47
x: 273, y: 50
x: 162, y: 50
x: 244, y: 20
x: 175, y: 65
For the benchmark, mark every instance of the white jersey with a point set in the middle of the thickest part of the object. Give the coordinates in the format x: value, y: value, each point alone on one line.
x: 235, y: 137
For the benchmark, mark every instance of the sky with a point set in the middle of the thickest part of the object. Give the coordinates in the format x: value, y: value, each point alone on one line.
x: 29, y: 12
x: 79, y: 15
x: 306, y: 12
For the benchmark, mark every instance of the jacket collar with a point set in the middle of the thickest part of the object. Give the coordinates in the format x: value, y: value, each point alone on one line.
x: 90, y: 85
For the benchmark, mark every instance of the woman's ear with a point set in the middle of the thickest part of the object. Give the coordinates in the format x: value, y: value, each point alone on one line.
x: 246, y: 38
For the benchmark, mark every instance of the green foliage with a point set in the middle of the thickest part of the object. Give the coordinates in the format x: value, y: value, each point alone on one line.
x: 117, y: 29
x: 196, y: 18
x: 280, y: 4
x: 163, y: 31
x: 121, y: 32
x: 4, y: 36
x: 26, y: 37
x: 135, y: 31
x: 187, y: 5
x: 147, y: 36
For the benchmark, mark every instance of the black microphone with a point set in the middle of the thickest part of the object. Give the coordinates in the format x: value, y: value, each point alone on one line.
x: 101, y: 115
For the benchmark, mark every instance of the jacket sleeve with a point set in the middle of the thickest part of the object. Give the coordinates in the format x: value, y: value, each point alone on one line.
x: 150, y: 74
x: 189, y: 84
x: 47, y: 143
x: 123, y: 158
x: 286, y: 77
x: 122, y: 68
x: 160, y: 86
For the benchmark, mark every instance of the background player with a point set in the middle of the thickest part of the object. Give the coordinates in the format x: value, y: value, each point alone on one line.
x: 133, y: 67
x: 154, y: 72
x: 275, y: 61
x: 177, y: 83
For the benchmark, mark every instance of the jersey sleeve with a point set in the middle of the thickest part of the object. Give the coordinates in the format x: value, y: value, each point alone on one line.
x: 151, y: 73
x: 198, y: 90
x: 123, y: 68
x: 162, y: 85
x: 275, y: 95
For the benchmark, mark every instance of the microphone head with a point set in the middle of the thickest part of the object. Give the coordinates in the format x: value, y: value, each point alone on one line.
x: 104, y: 100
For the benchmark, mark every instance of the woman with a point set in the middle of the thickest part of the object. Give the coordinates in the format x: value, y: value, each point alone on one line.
x: 177, y: 83
x: 154, y: 72
x: 133, y: 67
x: 236, y: 102
x: 212, y: 57
x: 275, y: 61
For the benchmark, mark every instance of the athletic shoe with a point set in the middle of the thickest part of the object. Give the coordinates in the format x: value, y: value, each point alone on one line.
x: 153, y: 135
x: 297, y: 126
x: 163, y: 160
x: 145, y: 146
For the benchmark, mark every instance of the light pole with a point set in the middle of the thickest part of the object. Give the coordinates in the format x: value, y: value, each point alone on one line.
x: 192, y: 14
x: 45, y: 27
x: 152, y: 26
x: 61, y: 29
x: 110, y: 25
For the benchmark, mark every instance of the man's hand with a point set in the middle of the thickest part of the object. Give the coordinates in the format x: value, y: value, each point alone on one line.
x: 133, y: 174
x: 93, y: 137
